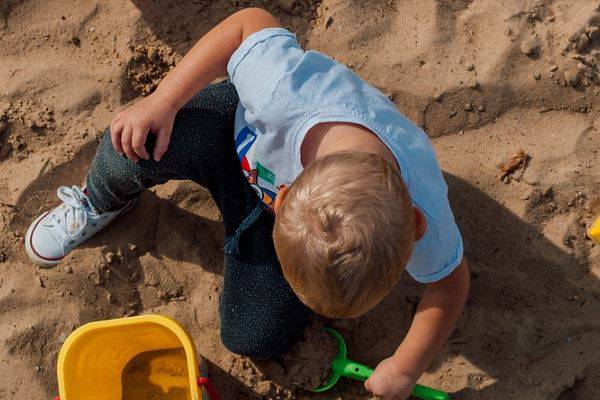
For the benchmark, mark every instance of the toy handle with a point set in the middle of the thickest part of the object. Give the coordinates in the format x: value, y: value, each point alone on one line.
x: 210, y: 389
x: 427, y: 393
x: 351, y: 369
x: 361, y: 372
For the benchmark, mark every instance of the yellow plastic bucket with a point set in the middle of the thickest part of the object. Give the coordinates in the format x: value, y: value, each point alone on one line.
x: 594, y: 231
x: 92, y: 359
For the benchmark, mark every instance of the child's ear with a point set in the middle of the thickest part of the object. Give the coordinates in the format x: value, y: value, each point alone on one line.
x: 283, y: 192
x: 420, y: 224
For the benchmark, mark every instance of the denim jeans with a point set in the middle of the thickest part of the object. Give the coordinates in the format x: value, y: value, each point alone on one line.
x: 261, y: 317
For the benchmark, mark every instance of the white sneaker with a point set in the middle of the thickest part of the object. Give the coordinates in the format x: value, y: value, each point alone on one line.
x: 56, y: 233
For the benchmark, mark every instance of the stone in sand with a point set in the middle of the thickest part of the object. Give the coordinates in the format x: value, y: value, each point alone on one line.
x: 287, y: 5
x: 531, y: 46
x: 582, y: 43
x: 572, y: 77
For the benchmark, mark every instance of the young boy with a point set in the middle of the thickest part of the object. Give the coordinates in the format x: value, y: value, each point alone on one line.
x: 327, y: 192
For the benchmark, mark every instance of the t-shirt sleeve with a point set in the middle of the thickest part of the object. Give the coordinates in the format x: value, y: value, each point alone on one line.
x: 259, y: 64
x: 440, y: 250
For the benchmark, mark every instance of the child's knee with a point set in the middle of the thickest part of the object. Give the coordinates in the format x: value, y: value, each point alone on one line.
x: 107, y: 159
x: 260, y: 315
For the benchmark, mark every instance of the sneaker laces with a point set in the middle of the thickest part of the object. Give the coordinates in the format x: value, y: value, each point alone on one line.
x: 74, y: 211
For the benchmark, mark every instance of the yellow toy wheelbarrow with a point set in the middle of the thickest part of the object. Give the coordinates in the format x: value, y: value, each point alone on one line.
x: 92, y: 359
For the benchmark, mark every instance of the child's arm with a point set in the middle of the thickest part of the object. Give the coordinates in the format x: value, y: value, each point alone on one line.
x: 206, y: 61
x: 440, y: 307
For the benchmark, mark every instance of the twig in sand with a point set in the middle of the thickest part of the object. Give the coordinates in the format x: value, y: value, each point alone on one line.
x: 520, y: 161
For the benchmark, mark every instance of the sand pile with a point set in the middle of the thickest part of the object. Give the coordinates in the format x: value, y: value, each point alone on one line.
x: 486, y: 79
x: 306, y: 366
x: 309, y: 362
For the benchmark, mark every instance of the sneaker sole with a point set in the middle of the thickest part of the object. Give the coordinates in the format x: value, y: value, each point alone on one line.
x: 52, y: 262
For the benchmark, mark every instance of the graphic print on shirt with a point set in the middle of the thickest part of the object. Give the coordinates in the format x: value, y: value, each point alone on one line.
x: 260, y: 177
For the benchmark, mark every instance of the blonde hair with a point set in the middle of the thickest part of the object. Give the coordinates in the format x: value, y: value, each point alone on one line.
x: 344, y: 233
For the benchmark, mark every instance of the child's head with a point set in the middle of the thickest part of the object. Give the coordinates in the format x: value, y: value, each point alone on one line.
x: 344, y: 232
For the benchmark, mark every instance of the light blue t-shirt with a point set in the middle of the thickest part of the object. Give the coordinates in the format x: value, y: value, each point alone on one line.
x: 284, y: 91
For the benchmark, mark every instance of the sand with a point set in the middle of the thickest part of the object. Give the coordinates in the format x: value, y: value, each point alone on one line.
x: 306, y: 366
x: 486, y: 79
x: 141, y: 377
x: 308, y: 363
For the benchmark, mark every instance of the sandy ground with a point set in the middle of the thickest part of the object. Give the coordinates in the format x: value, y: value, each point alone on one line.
x: 485, y: 78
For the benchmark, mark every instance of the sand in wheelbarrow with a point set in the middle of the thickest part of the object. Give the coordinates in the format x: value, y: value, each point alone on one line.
x: 140, y: 374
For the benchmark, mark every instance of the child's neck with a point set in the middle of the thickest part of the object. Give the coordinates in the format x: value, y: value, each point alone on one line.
x: 330, y: 137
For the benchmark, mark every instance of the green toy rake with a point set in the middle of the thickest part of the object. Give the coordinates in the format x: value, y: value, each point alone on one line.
x: 342, y: 366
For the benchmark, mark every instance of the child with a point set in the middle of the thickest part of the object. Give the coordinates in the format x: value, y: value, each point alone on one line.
x: 327, y: 192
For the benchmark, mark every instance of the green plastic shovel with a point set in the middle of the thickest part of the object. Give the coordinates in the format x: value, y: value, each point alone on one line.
x: 341, y: 366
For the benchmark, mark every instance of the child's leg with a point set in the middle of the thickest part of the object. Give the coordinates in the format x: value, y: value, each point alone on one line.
x: 260, y: 315
x: 200, y: 128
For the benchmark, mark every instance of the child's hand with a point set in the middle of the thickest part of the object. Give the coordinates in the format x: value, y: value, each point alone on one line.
x: 130, y: 127
x: 390, y: 382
